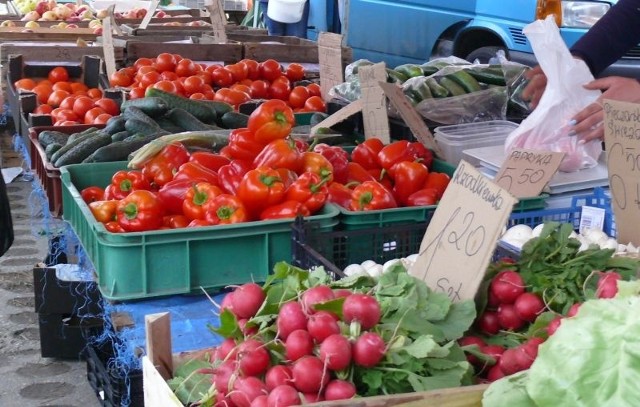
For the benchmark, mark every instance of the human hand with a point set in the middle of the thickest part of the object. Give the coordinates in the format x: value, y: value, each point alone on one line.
x: 589, y: 121
x: 535, y: 88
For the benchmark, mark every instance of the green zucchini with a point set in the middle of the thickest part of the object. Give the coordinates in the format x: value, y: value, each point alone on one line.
x: 203, y: 111
x: 468, y: 82
x: 234, y: 120
x: 47, y: 137
x: 152, y: 106
x: 186, y: 120
x: 83, y: 149
x: 69, y: 145
x: 451, y: 86
x: 115, y: 124
x: 437, y: 90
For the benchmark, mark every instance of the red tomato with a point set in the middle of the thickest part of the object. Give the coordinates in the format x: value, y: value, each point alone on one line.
x: 239, y: 71
x: 120, y: 78
x: 165, y: 62
x: 270, y: 70
x: 315, y: 104
x: 186, y: 67
x: 279, y: 90
x: 259, y: 89
x: 61, y: 115
x: 167, y: 86
x: 169, y: 76
x: 58, y: 74
x: 222, y: 77
x: 42, y: 92
x: 295, y: 72
x: 56, y: 97
x: 298, y: 96
x: 314, y: 89
x: 212, y: 67
x: 92, y: 114
x: 136, y: 93
x: 206, y: 76
x: 231, y: 96
x: 102, y: 118
x: 193, y: 84
x: 81, y: 105
x: 142, y: 62
x: 43, y: 109
x: 149, y: 79
x: 108, y: 105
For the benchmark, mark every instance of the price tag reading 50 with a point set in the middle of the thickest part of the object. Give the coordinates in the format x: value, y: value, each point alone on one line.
x: 526, y: 172
x: 462, y: 235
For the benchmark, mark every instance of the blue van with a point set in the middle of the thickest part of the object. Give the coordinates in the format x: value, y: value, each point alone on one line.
x: 413, y: 31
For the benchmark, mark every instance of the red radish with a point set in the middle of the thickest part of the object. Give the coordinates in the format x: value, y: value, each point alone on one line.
x: 298, y: 344
x: 339, y: 390
x: 309, y: 398
x: 247, y: 331
x: 533, y: 344
x: 283, y: 396
x: 488, y: 322
x: 554, y: 325
x: 277, y: 376
x: 247, y: 300
x: 227, y: 349
x: 260, y: 401
x: 342, y: 293
x: 223, y: 374
x: 608, y: 284
x: 507, y: 286
x: 246, y: 389
x: 253, y: 357
x: 528, y: 306
x: 316, y: 295
x: 290, y: 317
x: 335, y: 352
x: 309, y: 375
x: 525, y: 355
x: 573, y: 310
x: 368, y: 350
x: 495, y: 373
x: 493, y: 351
x: 509, y: 363
x: 472, y: 340
x: 508, y: 317
x: 492, y: 301
x: 362, y: 308
x: 321, y: 325
x: 227, y: 303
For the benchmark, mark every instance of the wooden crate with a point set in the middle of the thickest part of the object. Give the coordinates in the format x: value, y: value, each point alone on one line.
x: 158, y: 29
x: 46, y: 34
x: 228, y: 53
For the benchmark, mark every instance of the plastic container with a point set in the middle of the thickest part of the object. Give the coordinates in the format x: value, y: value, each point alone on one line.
x: 286, y: 11
x: 166, y: 262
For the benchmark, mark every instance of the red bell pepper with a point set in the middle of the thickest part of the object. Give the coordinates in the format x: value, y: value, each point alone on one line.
x: 229, y: 176
x: 113, y: 227
x: 259, y: 189
x: 196, y: 199
x: 423, y: 197
x: 172, y: 194
x: 424, y: 155
x: 193, y: 170
x: 225, y: 209
x: 382, y: 176
x: 356, y: 173
x: 92, y: 194
x: 366, y: 153
x: 338, y: 158
x: 243, y: 145
x: 301, y: 145
x: 280, y: 153
x: 141, y: 210
x: 287, y: 176
x: 161, y: 168
x: 339, y: 194
x: 109, y: 193
x: 310, y: 189
x: 371, y: 195
x: 211, y: 161
x: 284, y: 210
x: 104, y: 211
x: 272, y: 120
x: 175, y: 221
x: 199, y: 222
x: 124, y: 182
x: 437, y: 180
x: 318, y: 164
x: 394, y: 153
x: 409, y: 177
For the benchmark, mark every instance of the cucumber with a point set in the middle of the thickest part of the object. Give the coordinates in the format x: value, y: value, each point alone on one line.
x: 168, y: 125
x: 437, y: 90
x: 186, y: 120
x: 488, y: 76
x: 47, y: 137
x: 83, y: 149
x: 119, y: 136
x: 119, y: 150
x: 69, y: 145
x: 451, y: 86
x: 152, y: 106
x: 50, y: 149
x: 428, y: 70
x: 409, y: 70
x: 76, y: 136
x: 203, y: 111
x: 115, y: 124
x: 234, y: 120
x: 136, y: 113
x: 135, y: 125
x: 468, y: 82
x: 395, y: 76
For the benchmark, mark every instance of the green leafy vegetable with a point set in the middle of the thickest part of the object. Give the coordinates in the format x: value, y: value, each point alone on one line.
x: 188, y: 383
x: 509, y: 391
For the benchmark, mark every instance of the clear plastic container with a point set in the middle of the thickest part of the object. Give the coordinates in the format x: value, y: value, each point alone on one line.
x: 461, y: 132
x: 452, y: 150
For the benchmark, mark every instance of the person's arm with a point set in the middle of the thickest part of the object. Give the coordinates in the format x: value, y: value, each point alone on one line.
x: 611, y: 37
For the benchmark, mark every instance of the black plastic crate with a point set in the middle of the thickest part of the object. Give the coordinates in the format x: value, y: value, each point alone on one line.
x: 64, y: 336
x: 54, y: 296
x: 113, y: 387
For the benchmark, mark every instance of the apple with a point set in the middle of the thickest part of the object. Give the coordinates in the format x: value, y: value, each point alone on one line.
x: 31, y: 16
x: 52, y: 4
x: 97, y: 31
x: 8, y: 23
x: 161, y: 14
x: 31, y: 24
x: 62, y: 24
x: 86, y: 15
x: 62, y: 12
x: 72, y: 19
x: 141, y: 12
x: 102, y: 13
x: 72, y: 25
x: 129, y: 14
x: 95, y: 23
x: 41, y: 7
x: 49, y: 16
x: 72, y: 6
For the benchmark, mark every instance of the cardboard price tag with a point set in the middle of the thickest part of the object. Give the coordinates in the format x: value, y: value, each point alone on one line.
x: 374, y: 108
x: 410, y: 116
x: 150, y: 12
x: 462, y: 235
x: 330, y: 61
x: 218, y: 20
x: 621, y: 130
x: 339, y: 116
x: 107, y: 47
x: 526, y: 172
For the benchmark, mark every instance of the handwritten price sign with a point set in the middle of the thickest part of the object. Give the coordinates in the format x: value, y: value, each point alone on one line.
x: 374, y: 108
x: 622, y: 137
x: 462, y: 235
x: 526, y: 172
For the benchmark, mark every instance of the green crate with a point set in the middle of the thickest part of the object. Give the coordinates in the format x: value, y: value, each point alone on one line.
x: 178, y: 261
x: 533, y: 203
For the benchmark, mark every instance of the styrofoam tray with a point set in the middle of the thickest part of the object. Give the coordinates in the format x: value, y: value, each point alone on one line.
x: 491, y: 158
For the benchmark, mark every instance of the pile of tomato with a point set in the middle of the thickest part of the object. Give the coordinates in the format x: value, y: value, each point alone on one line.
x: 232, y: 83
x: 263, y: 173
x: 68, y: 102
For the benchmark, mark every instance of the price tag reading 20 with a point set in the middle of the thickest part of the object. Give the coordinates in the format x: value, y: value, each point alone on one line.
x: 462, y: 235
x: 526, y: 172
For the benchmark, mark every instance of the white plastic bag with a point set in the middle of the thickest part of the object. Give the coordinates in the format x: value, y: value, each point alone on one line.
x: 547, y: 128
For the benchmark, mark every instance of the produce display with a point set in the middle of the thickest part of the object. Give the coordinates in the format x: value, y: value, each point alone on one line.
x: 302, y: 338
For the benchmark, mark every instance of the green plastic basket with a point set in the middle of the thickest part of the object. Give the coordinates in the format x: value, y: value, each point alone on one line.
x: 178, y: 261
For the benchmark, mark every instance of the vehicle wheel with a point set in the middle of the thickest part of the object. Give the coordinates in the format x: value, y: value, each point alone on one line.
x: 484, y: 54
